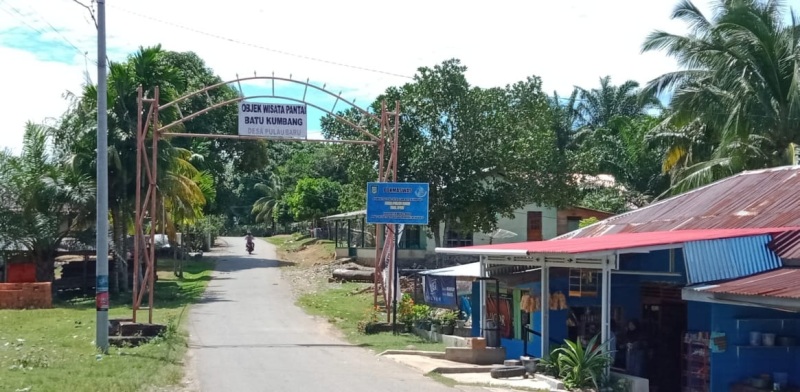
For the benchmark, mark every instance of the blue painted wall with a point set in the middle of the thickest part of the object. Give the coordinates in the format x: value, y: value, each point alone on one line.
x: 657, y: 261
x: 727, y: 367
x: 699, y: 316
x: 476, y: 308
x: 514, y: 348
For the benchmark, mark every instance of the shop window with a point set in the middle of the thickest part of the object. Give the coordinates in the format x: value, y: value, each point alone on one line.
x: 369, y: 235
x: 411, y: 237
x: 573, y: 223
x: 342, y: 234
x: 454, y: 239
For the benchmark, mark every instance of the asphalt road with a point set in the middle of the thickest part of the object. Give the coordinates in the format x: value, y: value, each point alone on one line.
x: 246, y: 334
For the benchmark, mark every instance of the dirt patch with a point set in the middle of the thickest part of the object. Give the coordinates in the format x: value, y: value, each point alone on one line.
x: 307, y: 254
x: 308, y: 264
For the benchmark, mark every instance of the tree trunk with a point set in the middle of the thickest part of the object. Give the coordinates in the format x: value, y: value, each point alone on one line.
x: 437, y: 236
x: 122, y: 250
x: 113, y: 279
x: 45, y: 268
x: 347, y: 275
x: 437, y: 240
x: 446, y: 230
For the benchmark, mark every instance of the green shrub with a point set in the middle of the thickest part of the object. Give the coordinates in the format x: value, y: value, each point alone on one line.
x: 581, y: 367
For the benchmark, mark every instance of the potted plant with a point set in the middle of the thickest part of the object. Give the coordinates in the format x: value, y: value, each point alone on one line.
x: 448, y: 320
x: 421, y: 316
x: 406, y: 312
x: 436, y: 325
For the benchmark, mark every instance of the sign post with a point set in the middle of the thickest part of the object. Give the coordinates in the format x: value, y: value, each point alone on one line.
x: 397, y: 203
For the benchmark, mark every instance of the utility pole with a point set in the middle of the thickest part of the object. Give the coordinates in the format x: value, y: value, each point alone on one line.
x: 101, y: 267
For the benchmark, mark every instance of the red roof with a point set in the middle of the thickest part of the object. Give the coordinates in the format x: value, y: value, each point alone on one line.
x: 752, y: 199
x: 779, y: 283
x: 608, y: 242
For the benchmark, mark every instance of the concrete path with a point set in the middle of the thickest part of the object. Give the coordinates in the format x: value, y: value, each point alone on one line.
x: 247, y: 335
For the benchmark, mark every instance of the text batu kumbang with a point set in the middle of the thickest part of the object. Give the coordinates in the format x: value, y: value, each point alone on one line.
x: 273, y: 109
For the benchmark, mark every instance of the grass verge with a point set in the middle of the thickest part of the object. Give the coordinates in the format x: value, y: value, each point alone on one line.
x: 54, y: 349
x: 344, y: 310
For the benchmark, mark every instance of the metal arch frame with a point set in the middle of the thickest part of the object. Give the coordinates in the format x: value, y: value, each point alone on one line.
x: 147, y: 170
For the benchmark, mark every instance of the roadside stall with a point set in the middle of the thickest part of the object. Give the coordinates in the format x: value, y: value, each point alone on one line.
x: 451, y: 288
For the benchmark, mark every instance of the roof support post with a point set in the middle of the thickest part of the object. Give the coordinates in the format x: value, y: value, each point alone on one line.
x: 545, y: 319
x: 482, y: 286
x: 605, y: 315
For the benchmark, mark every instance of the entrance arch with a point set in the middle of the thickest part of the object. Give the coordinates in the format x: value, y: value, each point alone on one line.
x: 148, y: 109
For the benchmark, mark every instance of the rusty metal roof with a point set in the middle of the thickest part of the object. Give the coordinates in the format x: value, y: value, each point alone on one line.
x: 752, y: 199
x: 779, y: 283
x: 786, y: 245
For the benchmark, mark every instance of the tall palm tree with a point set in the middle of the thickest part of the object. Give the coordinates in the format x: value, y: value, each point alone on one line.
x: 738, y: 83
x: 41, y: 201
x: 263, y: 207
x: 599, y: 106
x: 566, y: 118
x: 177, y: 177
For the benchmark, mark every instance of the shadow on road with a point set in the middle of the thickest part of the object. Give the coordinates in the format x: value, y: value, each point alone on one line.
x: 231, y: 263
x: 211, y: 296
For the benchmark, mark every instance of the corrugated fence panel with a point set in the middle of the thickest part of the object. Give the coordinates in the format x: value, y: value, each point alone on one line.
x: 712, y: 260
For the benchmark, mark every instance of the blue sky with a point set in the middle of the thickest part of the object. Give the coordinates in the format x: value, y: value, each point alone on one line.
x: 42, y: 47
x: 48, y: 47
x: 312, y: 95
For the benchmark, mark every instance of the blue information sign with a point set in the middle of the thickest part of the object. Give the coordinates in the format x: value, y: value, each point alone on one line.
x: 397, y: 203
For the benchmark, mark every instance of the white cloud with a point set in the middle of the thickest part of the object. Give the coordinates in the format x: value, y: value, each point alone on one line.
x: 567, y: 43
x: 33, y: 92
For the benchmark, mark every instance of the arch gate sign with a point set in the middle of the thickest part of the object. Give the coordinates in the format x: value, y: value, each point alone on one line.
x: 275, y: 121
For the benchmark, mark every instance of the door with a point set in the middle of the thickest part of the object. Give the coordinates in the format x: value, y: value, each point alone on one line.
x: 664, y: 324
x: 534, y: 225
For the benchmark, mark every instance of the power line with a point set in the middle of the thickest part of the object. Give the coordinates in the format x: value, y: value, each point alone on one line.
x: 22, y: 18
x: 252, y: 45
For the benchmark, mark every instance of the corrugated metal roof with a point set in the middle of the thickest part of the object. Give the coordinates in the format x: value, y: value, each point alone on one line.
x: 606, y: 243
x: 787, y: 244
x: 753, y: 199
x: 708, y: 261
x: 779, y: 283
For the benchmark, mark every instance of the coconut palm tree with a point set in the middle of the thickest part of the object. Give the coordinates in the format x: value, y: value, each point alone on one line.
x: 738, y: 83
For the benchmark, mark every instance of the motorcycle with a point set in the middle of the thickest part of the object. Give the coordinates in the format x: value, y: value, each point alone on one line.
x: 250, y: 247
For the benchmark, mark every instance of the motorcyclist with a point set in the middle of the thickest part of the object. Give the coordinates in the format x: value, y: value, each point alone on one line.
x: 249, y: 237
